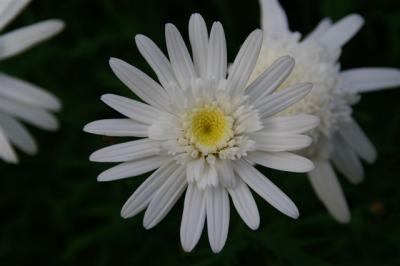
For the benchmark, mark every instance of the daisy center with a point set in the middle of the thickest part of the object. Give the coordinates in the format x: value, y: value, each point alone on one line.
x: 209, y: 128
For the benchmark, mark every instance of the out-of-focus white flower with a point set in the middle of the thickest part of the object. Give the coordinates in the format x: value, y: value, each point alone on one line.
x: 20, y: 100
x: 338, y: 139
x: 203, y: 131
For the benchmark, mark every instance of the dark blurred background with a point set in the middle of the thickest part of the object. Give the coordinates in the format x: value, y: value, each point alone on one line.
x: 53, y: 212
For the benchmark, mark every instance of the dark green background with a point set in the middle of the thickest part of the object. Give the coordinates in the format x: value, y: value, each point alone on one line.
x: 53, y: 212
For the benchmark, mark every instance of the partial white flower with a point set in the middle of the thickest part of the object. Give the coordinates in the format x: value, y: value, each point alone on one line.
x: 204, y: 132
x: 20, y: 100
x: 338, y: 139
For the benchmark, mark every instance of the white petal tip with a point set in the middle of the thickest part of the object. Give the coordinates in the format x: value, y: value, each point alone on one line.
x: 88, y: 128
x: 254, y: 226
x: 55, y: 25
x: 343, y: 219
x: 294, y: 213
x: 216, y: 249
x: 357, y: 19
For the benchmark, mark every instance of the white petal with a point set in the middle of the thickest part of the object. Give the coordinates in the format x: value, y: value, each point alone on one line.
x: 29, y: 114
x: 142, y: 196
x: 9, y: 9
x: 133, y: 109
x: 128, y: 151
x: 347, y: 161
x: 296, y: 124
x: 279, y: 101
x: 356, y: 139
x: 283, y: 161
x: 156, y: 59
x: 193, y: 217
x: 217, y: 217
x: 129, y: 169
x: 325, y: 183
x: 117, y: 128
x: 217, y: 64
x: 274, y: 142
x: 226, y: 174
x: 18, y: 134
x: 164, y: 131
x: 266, y: 189
x: 370, y: 79
x: 141, y: 84
x: 6, y: 151
x: 195, y: 169
x: 273, y: 19
x: 198, y: 36
x: 245, y: 204
x: 165, y: 198
x: 25, y: 92
x: 245, y: 62
x: 18, y: 41
x: 342, y: 31
x: 179, y: 56
x: 321, y: 28
x: 271, y: 78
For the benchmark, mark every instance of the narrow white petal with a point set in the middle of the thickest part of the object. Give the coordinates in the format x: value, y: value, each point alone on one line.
x: 198, y: 36
x: 117, y: 128
x: 217, y: 62
x: 156, y: 59
x: 342, y: 31
x: 245, y: 62
x: 142, y: 196
x: 129, y: 169
x: 283, y: 161
x: 279, y: 101
x: 217, y: 217
x: 7, y: 153
x: 274, y: 142
x: 128, y: 151
x: 347, y: 161
x: 354, y: 136
x: 19, y: 40
x: 32, y: 115
x: 164, y: 131
x: 271, y: 78
x: 325, y: 183
x: 266, y: 189
x: 9, y: 9
x: 273, y: 19
x: 179, y: 56
x: 193, y: 217
x: 25, y: 92
x: 165, y: 198
x: 194, y: 169
x: 18, y: 134
x: 133, y: 109
x: 141, y: 84
x: 245, y: 204
x: 296, y: 124
x: 370, y: 79
x: 321, y: 28
x: 226, y: 174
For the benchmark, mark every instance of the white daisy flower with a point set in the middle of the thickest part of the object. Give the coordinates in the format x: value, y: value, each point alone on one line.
x: 203, y: 132
x: 338, y: 140
x: 20, y: 100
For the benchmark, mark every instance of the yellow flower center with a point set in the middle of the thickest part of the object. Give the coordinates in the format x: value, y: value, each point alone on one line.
x: 210, y: 129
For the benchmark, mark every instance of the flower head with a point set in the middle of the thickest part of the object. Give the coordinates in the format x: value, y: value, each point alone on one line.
x: 203, y: 131
x: 20, y: 100
x: 338, y: 138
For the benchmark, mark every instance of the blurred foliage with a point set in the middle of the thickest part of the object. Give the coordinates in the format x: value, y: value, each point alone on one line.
x: 55, y: 213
